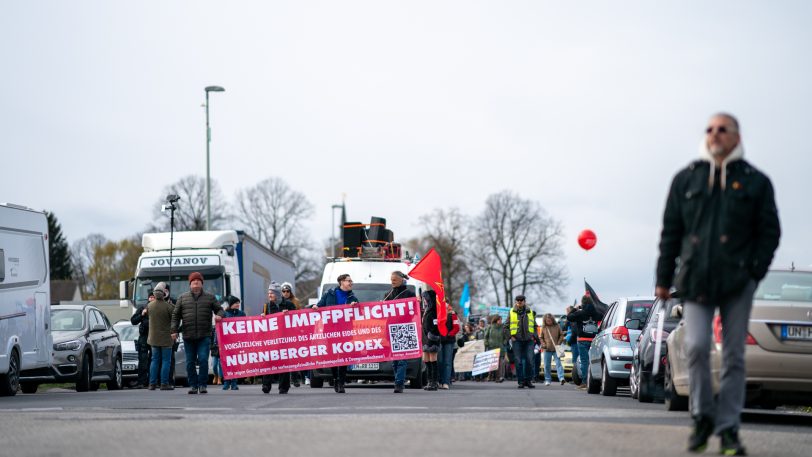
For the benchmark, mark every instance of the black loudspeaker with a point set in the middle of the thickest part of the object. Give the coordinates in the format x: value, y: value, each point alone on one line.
x: 377, y: 232
x: 352, y: 235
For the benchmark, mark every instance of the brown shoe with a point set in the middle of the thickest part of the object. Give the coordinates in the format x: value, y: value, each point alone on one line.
x: 152, y: 387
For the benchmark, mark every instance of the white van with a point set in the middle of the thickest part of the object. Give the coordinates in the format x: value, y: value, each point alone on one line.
x: 371, y: 281
x: 25, y: 289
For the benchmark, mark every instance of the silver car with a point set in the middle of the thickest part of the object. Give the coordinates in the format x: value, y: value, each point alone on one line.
x: 610, y: 355
x: 86, y: 351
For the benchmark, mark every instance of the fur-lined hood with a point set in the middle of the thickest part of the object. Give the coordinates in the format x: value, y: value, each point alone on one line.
x: 705, y: 154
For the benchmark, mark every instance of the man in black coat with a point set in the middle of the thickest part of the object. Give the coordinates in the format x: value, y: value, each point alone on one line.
x: 720, y: 231
x: 399, y: 291
x: 341, y: 295
x: 141, y: 319
x: 272, y: 306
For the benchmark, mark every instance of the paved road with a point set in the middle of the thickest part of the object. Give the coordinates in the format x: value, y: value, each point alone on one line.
x: 469, y: 420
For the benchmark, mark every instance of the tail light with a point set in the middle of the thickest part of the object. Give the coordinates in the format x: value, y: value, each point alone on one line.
x: 653, y: 334
x: 620, y: 334
x: 717, y: 332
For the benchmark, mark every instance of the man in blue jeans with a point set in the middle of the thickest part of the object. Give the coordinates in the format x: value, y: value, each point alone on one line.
x: 194, y: 311
x: 448, y: 344
x: 522, y: 330
x: 586, y: 319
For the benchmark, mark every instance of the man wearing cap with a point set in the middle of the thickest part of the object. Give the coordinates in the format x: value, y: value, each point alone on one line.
x: 273, y: 306
x: 520, y: 329
x: 160, y: 312
x: 399, y: 291
x: 194, y: 311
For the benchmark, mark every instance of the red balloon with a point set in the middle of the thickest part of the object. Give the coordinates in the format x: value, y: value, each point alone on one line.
x: 587, y: 239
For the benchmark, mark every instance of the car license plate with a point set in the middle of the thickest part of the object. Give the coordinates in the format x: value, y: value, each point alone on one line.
x: 365, y: 366
x: 130, y: 366
x: 796, y: 332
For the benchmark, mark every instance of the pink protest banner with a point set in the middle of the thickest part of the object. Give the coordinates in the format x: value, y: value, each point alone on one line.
x: 308, y: 339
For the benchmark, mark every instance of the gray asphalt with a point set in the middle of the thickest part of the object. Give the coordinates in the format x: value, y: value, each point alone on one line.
x: 469, y: 420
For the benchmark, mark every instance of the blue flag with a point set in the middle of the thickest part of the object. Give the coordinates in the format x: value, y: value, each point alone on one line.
x: 465, y: 301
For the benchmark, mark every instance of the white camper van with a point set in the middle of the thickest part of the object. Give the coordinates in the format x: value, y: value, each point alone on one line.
x: 25, y: 316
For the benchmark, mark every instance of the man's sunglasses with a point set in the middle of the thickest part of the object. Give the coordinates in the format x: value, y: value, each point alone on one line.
x: 720, y: 129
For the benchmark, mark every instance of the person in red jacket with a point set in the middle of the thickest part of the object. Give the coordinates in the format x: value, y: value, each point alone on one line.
x: 447, y: 347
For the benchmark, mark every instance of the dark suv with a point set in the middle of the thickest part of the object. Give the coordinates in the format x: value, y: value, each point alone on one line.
x: 86, y: 351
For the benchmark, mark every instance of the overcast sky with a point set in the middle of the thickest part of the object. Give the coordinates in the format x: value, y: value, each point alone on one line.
x: 587, y: 107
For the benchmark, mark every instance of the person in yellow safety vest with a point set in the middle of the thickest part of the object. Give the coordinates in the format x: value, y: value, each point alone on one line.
x: 521, y: 329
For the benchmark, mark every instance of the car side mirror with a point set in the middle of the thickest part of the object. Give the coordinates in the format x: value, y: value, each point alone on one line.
x: 676, y: 312
x: 98, y: 328
x: 633, y: 324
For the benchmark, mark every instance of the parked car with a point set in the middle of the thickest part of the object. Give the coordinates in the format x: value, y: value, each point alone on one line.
x: 610, y: 355
x: 644, y: 386
x: 128, y: 335
x: 86, y: 350
x: 778, y: 352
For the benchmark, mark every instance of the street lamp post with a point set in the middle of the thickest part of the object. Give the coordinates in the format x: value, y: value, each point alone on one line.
x: 208, y: 145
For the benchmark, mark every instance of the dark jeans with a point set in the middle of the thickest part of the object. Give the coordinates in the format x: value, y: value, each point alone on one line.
x: 523, y: 353
x: 197, y: 353
x: 446, y: 362
x: 282, y: 378
x: 399, y: 367
x: 339, y: 374
x: 143, y: 362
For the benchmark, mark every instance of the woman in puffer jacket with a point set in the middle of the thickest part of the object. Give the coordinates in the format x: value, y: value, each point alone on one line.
x: 431, y: 338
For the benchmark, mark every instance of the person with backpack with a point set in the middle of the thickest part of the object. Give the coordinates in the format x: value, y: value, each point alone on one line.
x: 586, y: 319
x: 495, y: 339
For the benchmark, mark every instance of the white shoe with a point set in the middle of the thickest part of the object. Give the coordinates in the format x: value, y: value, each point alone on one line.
x: 445, y: 387
x: 307, y: 381
x: 546, y: 383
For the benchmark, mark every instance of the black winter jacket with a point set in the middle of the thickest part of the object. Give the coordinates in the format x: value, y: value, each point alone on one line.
x: 273, y: 308
x: 714, y: 241
x: 329, y: 298
x: 195, y: 314
x: 585, y: 320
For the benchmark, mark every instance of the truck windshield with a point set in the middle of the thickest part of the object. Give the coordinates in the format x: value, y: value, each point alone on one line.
x: 212, y: 284
x: 367, y: 292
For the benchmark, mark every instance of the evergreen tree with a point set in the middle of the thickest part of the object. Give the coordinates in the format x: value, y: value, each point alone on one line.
x: 58, y: 251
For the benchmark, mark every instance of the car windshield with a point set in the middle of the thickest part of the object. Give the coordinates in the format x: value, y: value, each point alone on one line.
x: 638, y: 309
x: 127, y: 332
x: 212, y: 284
x: 367, y: 292
x: 786, y: 286
x: 66, y: 320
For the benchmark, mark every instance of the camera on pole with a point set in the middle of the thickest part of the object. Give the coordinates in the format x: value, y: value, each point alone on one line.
x: 171, y: 199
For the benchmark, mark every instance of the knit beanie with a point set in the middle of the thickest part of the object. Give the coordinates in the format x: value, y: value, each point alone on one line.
x: 195, y: 275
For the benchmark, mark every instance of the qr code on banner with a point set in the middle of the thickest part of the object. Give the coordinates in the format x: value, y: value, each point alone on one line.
x: 403, y: 337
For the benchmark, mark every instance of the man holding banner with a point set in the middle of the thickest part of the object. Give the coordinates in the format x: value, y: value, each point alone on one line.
x: 399, y: 290
x: 341, y: 295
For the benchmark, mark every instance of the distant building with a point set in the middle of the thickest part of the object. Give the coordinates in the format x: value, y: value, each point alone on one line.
x: 65, y: 290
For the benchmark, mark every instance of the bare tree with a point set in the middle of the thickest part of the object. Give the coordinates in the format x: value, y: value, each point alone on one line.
x: 277, y: 215
x: 447, y: 231
x: 517, y: 248
x: 191, y: 212
x: 82, y: 258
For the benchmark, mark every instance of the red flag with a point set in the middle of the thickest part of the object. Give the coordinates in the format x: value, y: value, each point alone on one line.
x: 429, y: 270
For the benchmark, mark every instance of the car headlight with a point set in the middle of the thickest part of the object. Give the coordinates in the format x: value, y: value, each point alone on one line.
x: 68, y: 346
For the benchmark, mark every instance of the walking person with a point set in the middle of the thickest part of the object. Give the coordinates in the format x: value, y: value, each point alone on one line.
x: 340, y: 295
x: 551, y: 340
x: 160, y: 312
x: 399, y: 291
x: 297, y: 377
x: 521, y: 330
x: 721, y: 227
x: 495, y: 339
x: 445, y: 358
x: 141, y: 319
x: 273, y: 306
x: 431, y: 338
x: 586, y: 319
x: 231, y: 312
x: 194, y: 311
x: 572, y: 341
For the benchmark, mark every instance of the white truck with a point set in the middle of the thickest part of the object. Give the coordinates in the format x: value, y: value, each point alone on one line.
x: 231, y: 262
x: 25, y: 295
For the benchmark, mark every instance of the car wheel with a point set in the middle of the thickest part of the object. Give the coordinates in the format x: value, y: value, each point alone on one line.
x: 673, y: 400
x: 608, y: 383
x: 645, y: 392
x: 115, y: 382
x: 29, y: 387
x: 85, y: 374
x: 592, y: 386
x: 316, y: 383
x: 634, y: 382
x: 10, y: 381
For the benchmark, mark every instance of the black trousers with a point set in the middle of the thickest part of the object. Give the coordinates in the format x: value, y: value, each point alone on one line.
x: 339, y: 374
x: 282, y: 378
x: 144, y: 354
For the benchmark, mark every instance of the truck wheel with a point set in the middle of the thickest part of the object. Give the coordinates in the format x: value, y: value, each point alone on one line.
x: 29, y: 387
x: 115, y: 382
x: 316, y: 383
x: 85, y: 374
x: 11, y: 380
